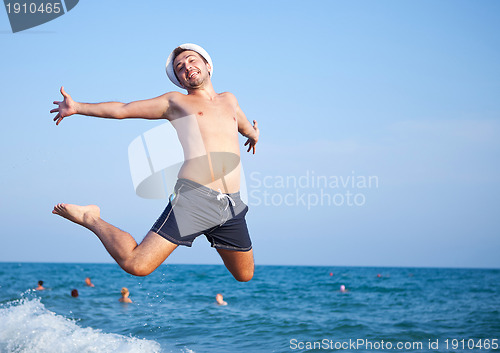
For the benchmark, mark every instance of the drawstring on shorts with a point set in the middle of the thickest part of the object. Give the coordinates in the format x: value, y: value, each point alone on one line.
x: 221, y: 196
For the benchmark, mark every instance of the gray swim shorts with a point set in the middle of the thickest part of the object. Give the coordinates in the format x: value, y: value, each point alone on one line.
x: 195, y: 209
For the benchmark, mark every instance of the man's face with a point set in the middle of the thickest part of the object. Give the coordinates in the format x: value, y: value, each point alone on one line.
x: 190, y: 69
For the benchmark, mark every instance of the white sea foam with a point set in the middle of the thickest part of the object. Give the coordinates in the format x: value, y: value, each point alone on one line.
x: 26, y: 326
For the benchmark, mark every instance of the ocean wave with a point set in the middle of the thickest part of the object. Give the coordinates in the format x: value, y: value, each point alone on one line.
x: 26, y: 326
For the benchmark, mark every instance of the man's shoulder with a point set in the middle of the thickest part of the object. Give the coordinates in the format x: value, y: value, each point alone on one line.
x: 229, y: 96
x: 173, y: 97
x: 174, y: 94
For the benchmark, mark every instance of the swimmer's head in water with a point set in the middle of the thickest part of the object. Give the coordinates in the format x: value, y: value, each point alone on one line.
x: 40, y: 283
x: 74, y: 293
x: 124, y: 291
x: 219, y: 298
x: 184, y: 55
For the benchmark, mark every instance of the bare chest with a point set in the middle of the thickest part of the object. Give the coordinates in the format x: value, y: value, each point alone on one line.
x: 214, y: 117
x: 210, y: 116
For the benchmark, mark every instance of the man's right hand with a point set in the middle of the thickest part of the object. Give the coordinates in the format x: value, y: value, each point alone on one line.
x: 65, y: 108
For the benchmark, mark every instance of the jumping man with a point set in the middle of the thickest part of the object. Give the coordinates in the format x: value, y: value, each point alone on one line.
x: 206, y: 197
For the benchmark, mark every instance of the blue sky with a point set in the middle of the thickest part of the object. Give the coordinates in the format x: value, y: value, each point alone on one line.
x: 404, y: 91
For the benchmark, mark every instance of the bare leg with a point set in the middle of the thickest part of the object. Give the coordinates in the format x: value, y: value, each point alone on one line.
x: 138, y: 260
x: 239, y: 263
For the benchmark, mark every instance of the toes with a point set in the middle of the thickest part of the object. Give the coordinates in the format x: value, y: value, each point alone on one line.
x: 58, y: 208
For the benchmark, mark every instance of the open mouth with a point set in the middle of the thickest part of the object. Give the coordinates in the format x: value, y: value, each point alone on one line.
x: 192, y: 74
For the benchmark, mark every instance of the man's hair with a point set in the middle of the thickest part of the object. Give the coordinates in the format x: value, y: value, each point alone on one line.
x: 40, y: 283
x: 180, y: 50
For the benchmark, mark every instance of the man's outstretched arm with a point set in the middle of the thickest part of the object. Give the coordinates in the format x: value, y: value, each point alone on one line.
x: 155, y: 108
x: 247, y: 130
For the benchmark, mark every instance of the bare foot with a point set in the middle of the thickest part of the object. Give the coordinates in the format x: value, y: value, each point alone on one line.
x: 82, y: 215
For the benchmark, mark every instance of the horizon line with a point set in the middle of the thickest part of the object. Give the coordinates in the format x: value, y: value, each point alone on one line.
x: 266, y: 265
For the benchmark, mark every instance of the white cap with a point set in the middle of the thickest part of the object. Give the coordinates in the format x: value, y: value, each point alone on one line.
x: 188, y: 46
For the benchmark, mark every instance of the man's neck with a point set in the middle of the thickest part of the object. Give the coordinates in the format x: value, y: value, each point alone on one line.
x: 205, y: 92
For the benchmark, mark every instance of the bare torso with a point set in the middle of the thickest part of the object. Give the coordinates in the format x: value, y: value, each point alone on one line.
x: 208, y: 132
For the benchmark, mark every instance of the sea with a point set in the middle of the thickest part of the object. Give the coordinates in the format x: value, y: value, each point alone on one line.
x: 282, y: 309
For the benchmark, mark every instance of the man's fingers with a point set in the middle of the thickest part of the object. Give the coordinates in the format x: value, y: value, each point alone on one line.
x: 58, y: 118
x: 251, y: 146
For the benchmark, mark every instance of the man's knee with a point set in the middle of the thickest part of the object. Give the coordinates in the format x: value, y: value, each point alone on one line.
x: 137, y: 268
x: 244, y: 276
